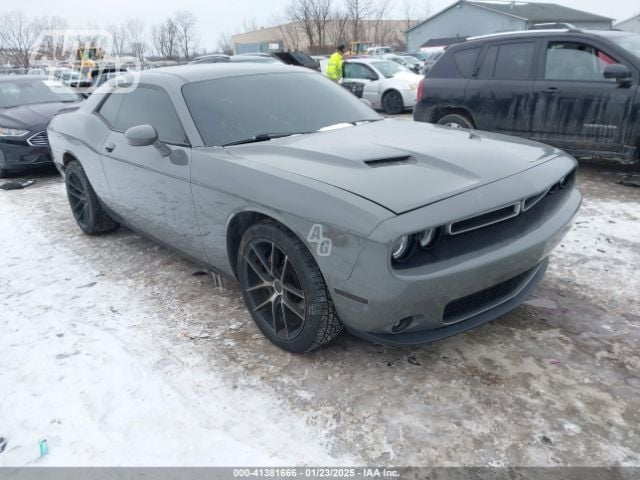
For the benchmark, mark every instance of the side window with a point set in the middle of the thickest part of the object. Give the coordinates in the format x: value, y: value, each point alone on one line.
x: 514, y: 61
x: 575, y: 61
x: 466, y: 61
x: 488, y: 62
x: 109, y: 109
x: 153, y: 106
x: 348, y: 70
x: 357, y: 70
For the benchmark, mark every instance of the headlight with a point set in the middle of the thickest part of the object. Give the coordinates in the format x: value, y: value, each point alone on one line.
x: 427, y: 237
x: 400, y: 248
x: 12, y: 132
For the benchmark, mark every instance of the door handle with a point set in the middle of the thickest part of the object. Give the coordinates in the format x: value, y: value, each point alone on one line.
x: 110, y: 146
x: 550, y: 90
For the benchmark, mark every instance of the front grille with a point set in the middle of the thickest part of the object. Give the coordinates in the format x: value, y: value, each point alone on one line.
x: 507, y: 212
x: 479, y: 301
x: 38, y: 140
x: 484, y: 219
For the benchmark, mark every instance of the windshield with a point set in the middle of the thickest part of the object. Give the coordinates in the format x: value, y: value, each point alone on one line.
x: 388, y: 69
x: 412, y: 60
x: 233, y: 109
x: 629, y: 42
x: 29, y: 92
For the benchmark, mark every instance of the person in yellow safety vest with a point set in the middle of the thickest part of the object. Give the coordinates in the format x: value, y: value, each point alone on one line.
x: 334, y: 66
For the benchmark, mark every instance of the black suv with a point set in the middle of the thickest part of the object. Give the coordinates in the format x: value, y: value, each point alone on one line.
x: 576, y: 90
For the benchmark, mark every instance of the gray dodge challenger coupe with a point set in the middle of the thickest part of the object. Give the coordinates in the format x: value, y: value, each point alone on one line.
x: 326, y: 213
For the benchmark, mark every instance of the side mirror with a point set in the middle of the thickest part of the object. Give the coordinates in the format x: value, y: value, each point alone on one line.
x: 141, y: 135
x: 618, y: 71
x: 145, y: 135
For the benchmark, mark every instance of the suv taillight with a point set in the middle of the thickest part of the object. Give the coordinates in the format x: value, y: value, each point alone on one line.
x: 420, y: 90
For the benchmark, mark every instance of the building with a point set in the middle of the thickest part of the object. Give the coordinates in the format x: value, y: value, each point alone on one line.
x: 466, y: 18
x: 630, y: 25
x: 295, y: 37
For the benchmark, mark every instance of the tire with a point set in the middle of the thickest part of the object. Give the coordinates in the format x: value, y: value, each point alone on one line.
x: 455, y: 120
x: 284, y: 290
x: 392, y: 102
x: 84, y: 203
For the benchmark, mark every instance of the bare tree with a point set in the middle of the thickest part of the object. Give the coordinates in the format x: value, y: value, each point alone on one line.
x: 51, y: 45
x: 118, y: 39
x: 185, y: 23
x: 380, y: 29
x: 337, y: 29
x: 136, y: 39
x: 358, y: 11
x: 225, y: 44
x: 17, y: 36
x: 164, y: 37
x: 314, y: 16
x: 321, y: 11
x: 299, y: 11
x: 292, y: 36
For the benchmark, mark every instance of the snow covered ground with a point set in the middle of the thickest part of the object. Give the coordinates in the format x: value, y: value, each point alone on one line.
x: 117, y: 354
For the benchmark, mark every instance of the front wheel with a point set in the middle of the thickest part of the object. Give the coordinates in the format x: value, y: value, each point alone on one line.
x: 392, y: 103
x: 284, y: 289
x: 84, y: 203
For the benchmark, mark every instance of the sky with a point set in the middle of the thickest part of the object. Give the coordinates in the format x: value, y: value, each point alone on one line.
x: 216, y: 16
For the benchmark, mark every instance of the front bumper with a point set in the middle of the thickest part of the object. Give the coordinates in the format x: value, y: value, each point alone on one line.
x: 408, y: 97
x: 433, y: 301
x: 16, y: 156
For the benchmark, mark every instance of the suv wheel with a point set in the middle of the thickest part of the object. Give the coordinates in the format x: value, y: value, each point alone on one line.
x: 455, y: 120
x: 284, y: 289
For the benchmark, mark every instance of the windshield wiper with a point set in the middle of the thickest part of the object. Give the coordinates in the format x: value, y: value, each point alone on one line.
x: 262, y: 137
x: 366, y: 120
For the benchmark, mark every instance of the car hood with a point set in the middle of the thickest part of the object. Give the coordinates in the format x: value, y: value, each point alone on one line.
x: 397, y: 164
x: 32, y: 117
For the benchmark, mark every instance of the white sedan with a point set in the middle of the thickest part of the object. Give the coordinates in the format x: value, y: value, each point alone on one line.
x: 387, y: 85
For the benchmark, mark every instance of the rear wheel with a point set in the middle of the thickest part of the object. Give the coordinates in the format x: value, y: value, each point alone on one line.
x: 392, y: 103
x: 455, y: 120
x: 284, y: 289
x: 84, y: 202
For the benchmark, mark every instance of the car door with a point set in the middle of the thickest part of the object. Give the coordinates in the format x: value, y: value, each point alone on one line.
x: 362, y: 81
x: 150, y: 191
x: 500, y: 96
x: 576, y: 107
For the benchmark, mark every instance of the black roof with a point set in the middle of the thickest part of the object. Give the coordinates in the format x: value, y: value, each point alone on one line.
x: 529, y: 11
x: 539, y: 12
x: 444, y: 41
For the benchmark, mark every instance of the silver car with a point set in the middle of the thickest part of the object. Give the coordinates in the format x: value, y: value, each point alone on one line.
x: 386, y: 84
x: 326, y: 213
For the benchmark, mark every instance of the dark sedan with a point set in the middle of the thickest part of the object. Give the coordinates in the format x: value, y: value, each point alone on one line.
x: 27, y: 103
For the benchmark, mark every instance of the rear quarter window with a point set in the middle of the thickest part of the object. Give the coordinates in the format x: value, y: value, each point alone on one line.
x: 445, y: 67
x: 465, y: 61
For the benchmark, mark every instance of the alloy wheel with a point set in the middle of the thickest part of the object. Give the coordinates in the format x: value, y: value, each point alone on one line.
x: 78, y: 199
x: 274, y: 292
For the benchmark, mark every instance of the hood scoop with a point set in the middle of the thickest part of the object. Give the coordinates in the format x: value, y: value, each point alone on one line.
x: 390, y: 162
